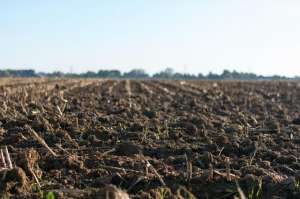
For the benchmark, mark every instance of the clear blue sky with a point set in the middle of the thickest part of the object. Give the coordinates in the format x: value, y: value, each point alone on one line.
x: 261, y: 36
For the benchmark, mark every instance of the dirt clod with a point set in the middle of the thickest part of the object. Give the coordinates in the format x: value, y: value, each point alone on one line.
x: 128, y: 149
x: 109, y: 191
x: 14, y: 181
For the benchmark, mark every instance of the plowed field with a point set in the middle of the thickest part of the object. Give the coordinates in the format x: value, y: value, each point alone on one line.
x: 97, y: 138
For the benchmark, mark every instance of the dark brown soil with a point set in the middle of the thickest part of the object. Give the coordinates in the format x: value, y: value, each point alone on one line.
x: 151, y: 139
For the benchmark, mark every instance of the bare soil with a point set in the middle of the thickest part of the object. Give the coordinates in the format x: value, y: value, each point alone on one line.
x: 150, y: 139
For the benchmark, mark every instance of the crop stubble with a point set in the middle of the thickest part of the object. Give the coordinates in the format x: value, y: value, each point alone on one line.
x: 151, y: 138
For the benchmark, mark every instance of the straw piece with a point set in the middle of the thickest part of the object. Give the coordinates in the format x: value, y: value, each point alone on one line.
x: 2, y: 158
x: 8, y: 157
x: 41, y: 141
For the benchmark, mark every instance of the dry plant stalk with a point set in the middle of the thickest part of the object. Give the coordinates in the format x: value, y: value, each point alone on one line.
x: 64, y: 107
x: 120, y: 169
x: 189, y: 168
x: 252, y: 157
x: 59, y: 111
x: 210, y: 173
x: 8, y: 158
x: 5, y: 159
x: 41, y: 141
x: 25, y: 94
x: 147, y: 170
x: 61, y: 96
x: 128, y: 88
x: 144, y: 86
x: 35, y: 177
x: 129, y: 92
x: 224, y: 174
x: 108, y: 152
x: 61, y: 148
x: 220, y: 151
x: 228, y: 176
x: 240, y: 191
x: 155, y: 171
x: 110, y: 89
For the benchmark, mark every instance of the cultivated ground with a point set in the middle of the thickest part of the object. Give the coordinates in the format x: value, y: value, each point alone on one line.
x: 152, y: 139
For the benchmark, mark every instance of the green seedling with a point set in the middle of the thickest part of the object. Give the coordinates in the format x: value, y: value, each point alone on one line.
x: 145, y: 133
x: 256, y: 190
x: 42, y: 194
x: 163, y: 193
x: 50, y: 195
x: 182, y: 192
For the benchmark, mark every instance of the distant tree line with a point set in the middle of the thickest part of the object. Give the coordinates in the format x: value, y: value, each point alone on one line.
x: 168, y: 73
x: 17, y: 73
